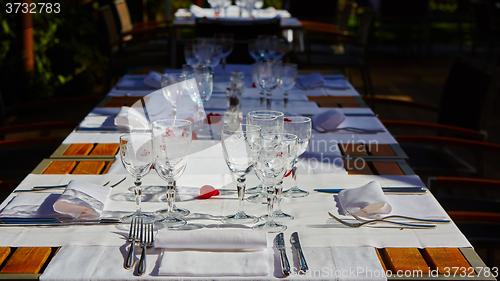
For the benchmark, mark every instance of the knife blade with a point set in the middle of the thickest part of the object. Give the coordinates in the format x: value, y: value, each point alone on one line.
x: 385, y: 189
x: 294, y: 240
x: 13, y: 221
x: 279, y: 241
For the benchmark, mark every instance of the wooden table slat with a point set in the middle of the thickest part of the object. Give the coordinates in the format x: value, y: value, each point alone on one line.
x: 403, y: 259
x: 357, y: 168
x: 107, y: 167
x: 350, y: 105
x: 60, y: 167
x: 328, y: 105
x: 387, y: 168
x: 105, y: 149
x: 27, y: 260
x: 89, y: 168
x: 380, y: 150
x: 353, y: 149
x: 380, y: 259
x: 79, y: 149
x: 441, y: 258
x: 4, y: 253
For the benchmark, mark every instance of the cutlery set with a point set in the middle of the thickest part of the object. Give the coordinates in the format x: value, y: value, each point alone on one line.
x: 426, y: 223
x: 143, y: 234
x: 279, y: 242
x: 49, y: 187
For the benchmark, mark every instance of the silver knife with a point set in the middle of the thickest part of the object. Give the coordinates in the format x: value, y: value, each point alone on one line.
x: 279, y: 241
x: 294, y: 240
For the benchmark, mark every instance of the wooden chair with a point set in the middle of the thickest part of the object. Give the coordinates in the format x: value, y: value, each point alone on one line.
x: 242, y: 31
x: 475, y: 210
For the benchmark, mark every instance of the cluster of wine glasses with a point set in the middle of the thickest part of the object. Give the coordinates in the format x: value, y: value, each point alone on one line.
x: 270, y: 144
x: 268, y: 47
x: 249, y: 6
x: 208, y: 52
x: 268, y: 75
x: 166, y: 148
x: 175, y: 85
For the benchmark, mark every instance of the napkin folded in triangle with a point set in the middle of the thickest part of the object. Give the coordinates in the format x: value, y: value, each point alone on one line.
x: 82, y: 200
x: 213, y: 252
x: 153, y: 79
x: 132, y: 118
x: 368, y: 200
x: 31, y: 205
x: 327, y: 120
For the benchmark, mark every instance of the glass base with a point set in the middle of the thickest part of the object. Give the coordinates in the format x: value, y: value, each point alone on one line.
x: 280, y: 216
x: 254, y: 190
x: 149, y: 189
x: 239, y: 218
x: 147, y: 217
x: 178, y: 212
x: 271, y: 227
x: 258, y: 198
x: 295, y: 193
x: 170, y: 222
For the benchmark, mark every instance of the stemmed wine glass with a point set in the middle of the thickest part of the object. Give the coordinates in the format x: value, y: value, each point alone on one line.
x: 173, y: 85
x: 287, y: 79
x: 270, y: 122
x: 240, y: 144
x: 255, y: 80
x: 226, y: 41
x: 271, y: 165
x: 300, y: 126
x: 253, y: 50
x: 171, y: 144
x: 136, y: 157
x: 215, y: 57
x: 190, y: 57
x: 202, y: 93
x: 269, y: 73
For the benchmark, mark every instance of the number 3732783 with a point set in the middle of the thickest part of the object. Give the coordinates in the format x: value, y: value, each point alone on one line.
x: 33, y: 8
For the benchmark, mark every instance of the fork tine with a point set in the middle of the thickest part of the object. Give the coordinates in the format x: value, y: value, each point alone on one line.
x: 132, y: 236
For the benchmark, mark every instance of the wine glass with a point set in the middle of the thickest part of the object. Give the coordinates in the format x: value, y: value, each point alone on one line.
x: 136, y: 157
x: 300, y: 126
x: 203, y: 52
x: 269, y: 73
x: 215, y: 57
x: 253, y: 50
x: 282, y: 48
x: 287, y: 79
x: 255, y: 80
x: 204, y: 83
x: 226, y: 41
x: 271, y: 165
x: 270, y: 122
x: 171, y: 144
x: 173, y: 85
x: 190, y: 57
x: 240, y: 144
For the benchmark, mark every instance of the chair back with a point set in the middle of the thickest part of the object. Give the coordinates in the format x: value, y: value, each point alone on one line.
x: 469, y: 93
x: 108, y: 19
x: 242, y: 30
x: 345, y: 14
x: 365, y: 24
x: 124, y: 15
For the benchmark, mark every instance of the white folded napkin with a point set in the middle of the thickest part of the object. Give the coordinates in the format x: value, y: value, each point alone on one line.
x: 31, y: 205
x: 133, y: 118
x: 327, y: 120
x: 213, y: 252
x: 211, y: 239
x: 153, y: 79
x: 368, y: 200
x: 82, y: 200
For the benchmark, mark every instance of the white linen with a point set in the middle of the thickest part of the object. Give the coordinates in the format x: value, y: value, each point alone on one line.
x: 31, y: 205
x: 327, y: 120
x: 82, y: 200
x: 153, y: 79
x: 316, y: 80
x: 367, y: 200
x: 213, y: 264
x: 357, y: 263
x: 311, y: 217
x: 133, y: 118
x: 211, y: 239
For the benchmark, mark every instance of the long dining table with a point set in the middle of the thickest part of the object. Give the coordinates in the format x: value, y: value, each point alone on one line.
x: 335, y: 160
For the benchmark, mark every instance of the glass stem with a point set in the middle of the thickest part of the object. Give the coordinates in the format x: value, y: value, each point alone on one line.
x: 170, y: 195
x: 285, y: 99
x: 269, y: 97
x: 174, y: 110
x: 279, y: 196
x: 241, y: 193
x: 294, y: 176
x: 270, y: 203
x: 138, y: 193
x: 262, y: 98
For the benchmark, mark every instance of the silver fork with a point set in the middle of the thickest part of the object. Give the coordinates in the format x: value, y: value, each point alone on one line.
x: 146, y: 241
x: 400, y: 217
x: 359, y: 224
x: 132, y: 238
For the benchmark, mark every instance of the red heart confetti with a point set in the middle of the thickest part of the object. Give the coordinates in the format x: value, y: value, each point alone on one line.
x: 208, y: 191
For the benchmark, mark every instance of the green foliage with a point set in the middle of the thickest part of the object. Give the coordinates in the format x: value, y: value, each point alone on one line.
x: 67, y: 49
x: 278, y: 4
